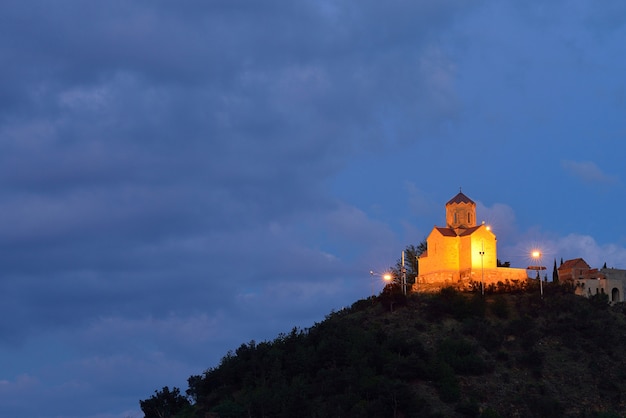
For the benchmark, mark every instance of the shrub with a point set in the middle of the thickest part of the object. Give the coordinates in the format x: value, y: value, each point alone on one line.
x: 545, y: 406
x: 461, y: 355
x: 447, y: 382
x: 488, y: 335
x: 500, y: 308
x: 468, y: 409
x: 229, y: 409
x: 489, y: 413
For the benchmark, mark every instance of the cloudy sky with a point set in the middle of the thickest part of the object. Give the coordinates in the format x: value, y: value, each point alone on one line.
x: 178, y: 178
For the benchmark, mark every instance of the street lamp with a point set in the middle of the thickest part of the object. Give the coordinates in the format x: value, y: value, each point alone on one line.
x: 385, y: 276
x: 482, y: 268
x: 403, y: 276
x: 388, y: 277
x: 417, y: 276
x: 536, y: 255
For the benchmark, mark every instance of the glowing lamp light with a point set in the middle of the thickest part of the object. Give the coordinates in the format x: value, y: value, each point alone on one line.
x: 536, y: 254
x: 387, y: 277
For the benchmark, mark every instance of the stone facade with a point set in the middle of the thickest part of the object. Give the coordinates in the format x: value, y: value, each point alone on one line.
x: 589, y: 281
x: 575, y: 269
x: 462, y: 252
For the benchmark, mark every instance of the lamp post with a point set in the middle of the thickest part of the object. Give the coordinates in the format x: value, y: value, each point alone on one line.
x: 403, y: 276
x: 389, y: 278
x: 482, y: 268
x: 417, y: 276
x: 536, y: 255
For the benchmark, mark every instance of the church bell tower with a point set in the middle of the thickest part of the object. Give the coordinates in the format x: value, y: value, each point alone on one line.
x: 460, y: 212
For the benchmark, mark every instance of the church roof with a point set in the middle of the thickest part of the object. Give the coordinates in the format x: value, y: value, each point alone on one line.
x: 574, y: 263
x: 460, y: 198
x: 469, y: 231
x: 451, y: 232
x: 446, y: 232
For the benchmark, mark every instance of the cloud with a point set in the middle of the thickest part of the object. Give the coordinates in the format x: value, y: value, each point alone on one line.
x: 501, y: 219
x: 595, y: 254
x: 569, y: 246
x: 587, y: 171
x: 165, y: 169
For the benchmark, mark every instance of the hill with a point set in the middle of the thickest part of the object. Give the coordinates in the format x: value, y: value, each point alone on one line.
x: 447, y: 354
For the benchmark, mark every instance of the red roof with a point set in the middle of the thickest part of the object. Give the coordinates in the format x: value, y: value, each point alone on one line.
x: 460, y: 198
x: 574, y: 263
x: 469, y: 231
x: 451, y: 232
x: 446, y: 232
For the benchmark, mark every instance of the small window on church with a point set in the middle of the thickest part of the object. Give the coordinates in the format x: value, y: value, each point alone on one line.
x: 455, y: 220
x: 468, y: 218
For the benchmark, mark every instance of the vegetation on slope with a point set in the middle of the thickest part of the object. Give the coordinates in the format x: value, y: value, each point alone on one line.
x: 447, y: 354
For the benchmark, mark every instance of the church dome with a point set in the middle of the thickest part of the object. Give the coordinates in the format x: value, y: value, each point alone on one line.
x: 460, y: 198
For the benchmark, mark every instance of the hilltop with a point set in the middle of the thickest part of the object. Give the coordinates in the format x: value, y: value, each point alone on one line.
x: 447, y: 354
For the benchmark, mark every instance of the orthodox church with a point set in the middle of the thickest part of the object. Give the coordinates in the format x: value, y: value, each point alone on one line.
x: 462, y: 251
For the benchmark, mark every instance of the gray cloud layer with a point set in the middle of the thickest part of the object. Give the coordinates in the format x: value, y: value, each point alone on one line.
x: 168, y: 170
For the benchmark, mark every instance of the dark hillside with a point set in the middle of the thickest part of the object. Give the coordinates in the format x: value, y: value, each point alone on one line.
x: 448, y: 354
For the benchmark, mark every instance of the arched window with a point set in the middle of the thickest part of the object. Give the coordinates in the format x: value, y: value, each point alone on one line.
x: 615, y: 295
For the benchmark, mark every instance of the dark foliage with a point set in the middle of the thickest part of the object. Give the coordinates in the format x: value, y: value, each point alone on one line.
x: 410, y: 267
x: 164, y: 404
x: 500, y: 263
x: 427, y: 355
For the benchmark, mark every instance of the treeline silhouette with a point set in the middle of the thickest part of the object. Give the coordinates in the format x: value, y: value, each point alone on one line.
x: 507, y: 353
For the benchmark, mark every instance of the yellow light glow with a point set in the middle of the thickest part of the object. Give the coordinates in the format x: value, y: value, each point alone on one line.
x: 387, y: 277
x: 488, y: 228
x: 536, y: 254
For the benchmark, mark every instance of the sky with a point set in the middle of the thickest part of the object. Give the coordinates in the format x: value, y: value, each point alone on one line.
x: 180, y: 178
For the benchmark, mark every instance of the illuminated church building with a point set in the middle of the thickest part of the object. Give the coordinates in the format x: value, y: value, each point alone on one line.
x: 462, y: 251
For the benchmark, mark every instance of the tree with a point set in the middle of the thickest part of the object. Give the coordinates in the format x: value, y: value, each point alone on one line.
x: 164, y: 403
x: 392, y: 295
x: 502, y: 263
x: 555, y: 273
x: 411, y: 254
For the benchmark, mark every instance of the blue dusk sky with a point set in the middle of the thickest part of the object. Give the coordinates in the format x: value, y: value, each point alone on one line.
x: 181, y: 177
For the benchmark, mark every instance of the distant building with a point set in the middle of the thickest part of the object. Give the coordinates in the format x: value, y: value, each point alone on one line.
x: 576, y: 268
x: 589, y: 281
x: 462, y: 251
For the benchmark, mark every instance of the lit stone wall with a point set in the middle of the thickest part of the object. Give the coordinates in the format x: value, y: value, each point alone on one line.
x: 435, y: 280
x: 483, y: 240
x: 443, y: 253
x: 465, y: 252
x: 612, y: 282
